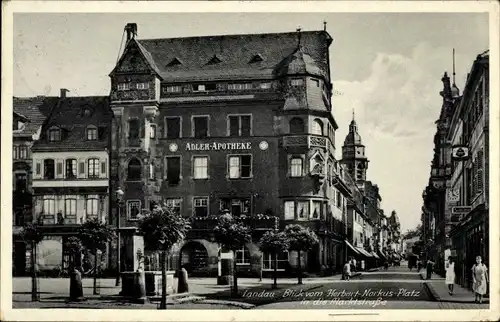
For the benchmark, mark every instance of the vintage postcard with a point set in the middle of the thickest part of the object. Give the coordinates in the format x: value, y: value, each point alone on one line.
x: 250, y: 161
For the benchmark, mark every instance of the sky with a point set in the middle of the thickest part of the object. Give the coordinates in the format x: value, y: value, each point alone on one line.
x: 387, y: 67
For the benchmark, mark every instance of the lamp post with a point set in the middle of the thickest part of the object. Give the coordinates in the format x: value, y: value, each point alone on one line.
x: 119, y: 196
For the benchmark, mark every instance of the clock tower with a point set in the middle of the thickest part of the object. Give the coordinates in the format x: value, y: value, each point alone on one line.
x: 353, y: 153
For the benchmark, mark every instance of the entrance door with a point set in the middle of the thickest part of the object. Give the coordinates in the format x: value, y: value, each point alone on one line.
x: 194, y: 257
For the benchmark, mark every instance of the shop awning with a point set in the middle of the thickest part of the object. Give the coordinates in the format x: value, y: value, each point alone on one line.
x: 352, y: 247
x: 382, y: 255
x: 364, y: 252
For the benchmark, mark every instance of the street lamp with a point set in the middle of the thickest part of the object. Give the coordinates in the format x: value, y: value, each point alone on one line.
x: 119, y: 196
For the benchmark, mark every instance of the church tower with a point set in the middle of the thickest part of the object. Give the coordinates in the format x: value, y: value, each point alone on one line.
x: 353, y: 153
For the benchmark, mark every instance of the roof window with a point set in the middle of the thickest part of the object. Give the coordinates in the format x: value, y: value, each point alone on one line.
x: 214, y: 60
x: 256, y: 58
x: 174, y: 62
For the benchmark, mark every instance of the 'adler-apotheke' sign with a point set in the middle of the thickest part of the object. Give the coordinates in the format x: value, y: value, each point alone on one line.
x: 216, y: 146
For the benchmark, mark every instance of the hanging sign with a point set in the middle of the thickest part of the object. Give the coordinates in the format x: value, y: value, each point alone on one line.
x: 459, y: 153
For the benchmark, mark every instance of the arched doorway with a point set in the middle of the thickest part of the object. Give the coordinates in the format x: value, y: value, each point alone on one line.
x: 194, y: 257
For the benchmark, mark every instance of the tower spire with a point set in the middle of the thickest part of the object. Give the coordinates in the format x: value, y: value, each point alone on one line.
x: 353, y: 114
x: 299, y: 35
x: 324, y: 25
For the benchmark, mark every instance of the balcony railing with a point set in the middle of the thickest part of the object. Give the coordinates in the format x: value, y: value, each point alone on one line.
x: 254, y: 222
x: 305, y: 140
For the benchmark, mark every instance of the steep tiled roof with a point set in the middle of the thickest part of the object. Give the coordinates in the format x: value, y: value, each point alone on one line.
x: 72, y: 117
x: 235, y: 53
x: 35, y: 110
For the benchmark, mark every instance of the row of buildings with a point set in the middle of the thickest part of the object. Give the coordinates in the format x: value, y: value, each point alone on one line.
x: 455, y: 214
x: 238, y: 123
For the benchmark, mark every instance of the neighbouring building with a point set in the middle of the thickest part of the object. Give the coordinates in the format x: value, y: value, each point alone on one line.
x: 455, y: 211
x: 238, y: 123
x: 29, y: 113
x: 394, y: 233
x: 71, y: 175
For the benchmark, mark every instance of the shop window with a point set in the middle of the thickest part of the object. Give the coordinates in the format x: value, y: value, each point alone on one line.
x: 242, y: 256
x: 240, y: 166
x: 268, y: 261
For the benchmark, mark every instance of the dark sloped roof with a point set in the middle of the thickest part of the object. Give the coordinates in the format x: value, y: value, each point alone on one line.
x: 70, y: 115
x: 235, y: 53
x: 35, y: 110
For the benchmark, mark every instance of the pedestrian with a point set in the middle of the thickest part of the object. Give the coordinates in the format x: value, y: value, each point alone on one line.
x: 430, y: 267
x: 346, y: 272
x: 386, y: 265
x: 353, y: 261
x: 450, y: 275
x: 479, y: 279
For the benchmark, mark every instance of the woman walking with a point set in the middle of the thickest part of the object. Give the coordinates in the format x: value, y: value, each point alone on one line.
x: 450, y: 275
x: 479, y: 279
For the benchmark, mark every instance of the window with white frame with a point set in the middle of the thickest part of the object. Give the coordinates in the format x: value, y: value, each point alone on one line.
x: 289, y: 210
x: 123, y: 86
x: 239, y: 86
x: 200, y: 206
x: 242, y: 256
x: 70, y: 210
x: 23, y: 152
x: 240, y: 166
x: 269, y: 259
x: 152, y: 131
x: 316, y: 209
x: 296, y: 167
x: 93, y: 168
x: 265, y: 85
x: 54, y: 134
x: 200, y: 167
x: 174, y: 204
x: 303, y: 210
x: 151, y: 171
x: 317, y: 127
x: 70, y: 168
x: 297, y: 82
x: 49, y: 210
x: 133, y: 209
x: 91, y: 133
x: 142, y: 85
x: 15, y: 152
x: 92, y: 207
x: 172, y: 89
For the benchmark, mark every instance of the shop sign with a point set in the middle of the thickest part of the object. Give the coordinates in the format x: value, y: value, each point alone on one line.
x: 459, y: 153
x: 226, y: 255
x: 461, y: 210
x: 218, y: 146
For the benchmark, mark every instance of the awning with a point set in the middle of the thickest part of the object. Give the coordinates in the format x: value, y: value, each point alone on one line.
x: 381, y: 254
x: 375, y: 255
x: 364, y: 252
x: 352, y: 247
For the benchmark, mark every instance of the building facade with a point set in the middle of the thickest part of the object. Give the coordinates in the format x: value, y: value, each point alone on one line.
x: 238, y: 123
x: 455, y: 211
x: 71, y: 176
x: 29, y: 115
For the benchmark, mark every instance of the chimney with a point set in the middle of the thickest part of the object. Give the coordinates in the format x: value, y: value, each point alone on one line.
x: 63, y: 92
x: 131, y: 29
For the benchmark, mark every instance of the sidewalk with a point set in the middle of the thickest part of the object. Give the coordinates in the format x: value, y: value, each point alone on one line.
x: 439, y: 290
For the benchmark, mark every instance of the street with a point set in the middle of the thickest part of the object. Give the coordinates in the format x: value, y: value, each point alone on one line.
x: 396, y: 288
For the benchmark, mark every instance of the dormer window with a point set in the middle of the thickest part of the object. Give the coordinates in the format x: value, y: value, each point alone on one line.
x: 214, y: 60
x: 91, y: 133
x: 18, y: 125
x: 54, y: 134
x: 123, y: 86
x: 142, y: 85
x: 172, y: 89
x: 174, y: 62
x: 239, y: 86
x: 255, y: 59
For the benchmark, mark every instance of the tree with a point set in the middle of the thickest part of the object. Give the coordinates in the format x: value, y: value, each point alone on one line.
x: 161, y: 229
x: 75, y: 248
x: 301, y: 240
x: 274, y: 242
x: 232, y: 234
x: 94, y: 236
x: 32, y: 235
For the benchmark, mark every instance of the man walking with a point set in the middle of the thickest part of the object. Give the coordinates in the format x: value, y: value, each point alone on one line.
x: 430, y: 267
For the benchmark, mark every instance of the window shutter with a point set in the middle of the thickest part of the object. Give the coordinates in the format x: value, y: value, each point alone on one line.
x: 38, y: 169
x: 474, y: 176
x: 103, y: 168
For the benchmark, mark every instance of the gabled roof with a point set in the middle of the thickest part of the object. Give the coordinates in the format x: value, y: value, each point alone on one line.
x: 235, y: 52
x: 34, y: 111
x: 71, y: 117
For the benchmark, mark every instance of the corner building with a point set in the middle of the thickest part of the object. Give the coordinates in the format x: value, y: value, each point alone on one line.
x: 239, y: 122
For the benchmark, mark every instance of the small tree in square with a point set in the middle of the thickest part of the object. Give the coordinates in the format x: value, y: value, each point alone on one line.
x: 75, y: 248
x: 301, y: 239
x: 232, y: 234
x: 95, y: 236
x: 32, y: 235
x: 274, y: 243
x: 161, y: 229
